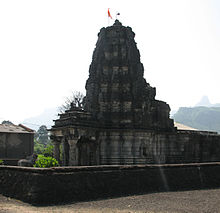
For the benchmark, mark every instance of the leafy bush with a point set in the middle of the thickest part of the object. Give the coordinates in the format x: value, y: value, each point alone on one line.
x: 45, y: 162
x: 1, y: 162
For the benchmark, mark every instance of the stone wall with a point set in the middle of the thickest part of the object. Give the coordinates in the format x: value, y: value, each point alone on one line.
x: 54, y: 185
x: 138, y: 146
x: 15, y: 146
x: 141, y: 147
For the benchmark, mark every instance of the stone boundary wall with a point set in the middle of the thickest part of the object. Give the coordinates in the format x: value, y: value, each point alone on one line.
x: 64, y: 184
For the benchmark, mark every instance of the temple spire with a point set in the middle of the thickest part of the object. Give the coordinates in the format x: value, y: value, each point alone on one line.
x: 116, y: 92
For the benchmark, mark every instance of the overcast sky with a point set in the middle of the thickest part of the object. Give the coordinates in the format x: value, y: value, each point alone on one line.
x: 46, y: 48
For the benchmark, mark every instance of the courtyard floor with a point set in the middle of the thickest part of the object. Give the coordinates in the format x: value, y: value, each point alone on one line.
x: 197, y: 201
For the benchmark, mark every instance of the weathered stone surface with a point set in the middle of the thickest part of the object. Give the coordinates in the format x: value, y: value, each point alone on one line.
x: 16, y: 142
x: 122, y: 122
x: 54, y: 185
x: 117, y: 94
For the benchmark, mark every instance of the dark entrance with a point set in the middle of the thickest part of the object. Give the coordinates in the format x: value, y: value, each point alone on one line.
x: 87, y: 152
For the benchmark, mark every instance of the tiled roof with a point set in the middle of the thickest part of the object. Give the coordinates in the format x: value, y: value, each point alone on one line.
x: 15, y: 128
x: 183, y: 127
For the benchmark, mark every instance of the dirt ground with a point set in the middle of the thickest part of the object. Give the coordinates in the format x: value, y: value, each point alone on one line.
x: 197, y: 201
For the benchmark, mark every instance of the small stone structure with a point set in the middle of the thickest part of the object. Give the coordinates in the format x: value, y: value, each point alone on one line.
x: 122, y: 122
x: 16, y: 142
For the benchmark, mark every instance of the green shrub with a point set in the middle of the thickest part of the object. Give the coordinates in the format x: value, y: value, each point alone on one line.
x: 1, y: 162
x: 45, y: 162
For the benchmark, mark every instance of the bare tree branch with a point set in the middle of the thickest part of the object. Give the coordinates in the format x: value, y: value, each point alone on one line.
x: 76, y: 99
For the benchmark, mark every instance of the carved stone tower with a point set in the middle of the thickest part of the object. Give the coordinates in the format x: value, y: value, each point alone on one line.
x: 117, y: 95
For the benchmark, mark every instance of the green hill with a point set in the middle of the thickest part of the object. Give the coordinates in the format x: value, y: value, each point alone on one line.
x: 202, y: 118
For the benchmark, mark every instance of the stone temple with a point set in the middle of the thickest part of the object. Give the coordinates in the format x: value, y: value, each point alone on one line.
x: 121, y: 121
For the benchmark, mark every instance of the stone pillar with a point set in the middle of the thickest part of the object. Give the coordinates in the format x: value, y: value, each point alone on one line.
x: 65, y: 149
x: 56, y: 150
x: 73, y: 152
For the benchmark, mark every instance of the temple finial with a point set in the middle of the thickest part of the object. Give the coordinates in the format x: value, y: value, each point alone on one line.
x: 117, y: 23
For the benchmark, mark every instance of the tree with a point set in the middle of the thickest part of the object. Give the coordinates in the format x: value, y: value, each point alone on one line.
x: 7, y: 122
x: 48, y: 151
x: 42, y: 135
x: 77, y: 99
x: 42, y: 143
x: 38, y: 147
x: 41, y: 149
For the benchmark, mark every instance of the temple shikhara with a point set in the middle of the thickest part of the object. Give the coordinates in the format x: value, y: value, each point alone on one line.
x: 121, y: 121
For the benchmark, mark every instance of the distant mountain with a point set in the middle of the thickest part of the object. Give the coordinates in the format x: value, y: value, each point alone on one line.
x: 202, y: 118
x: 206, y: 103
x: 46, y: 118
x: 216, y: 105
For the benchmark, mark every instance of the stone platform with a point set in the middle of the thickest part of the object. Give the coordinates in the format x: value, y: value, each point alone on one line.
x: 65, y: 184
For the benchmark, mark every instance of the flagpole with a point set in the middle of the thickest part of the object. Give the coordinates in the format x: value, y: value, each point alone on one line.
x: 117, y: 14
x: 109, y: 16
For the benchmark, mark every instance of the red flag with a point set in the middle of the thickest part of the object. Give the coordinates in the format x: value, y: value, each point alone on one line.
x: 109, y: 15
